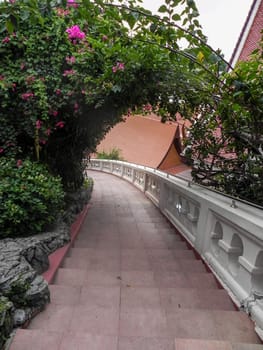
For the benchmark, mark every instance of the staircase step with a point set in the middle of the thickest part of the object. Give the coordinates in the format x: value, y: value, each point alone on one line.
x: 64, y: 295
x: 195, y: 344
x: 93, y: 263
x: 26, y: 339
x: 193, y: 298
x: 79, y: 277
x: 162, y: 253
x: 93, y: 252
x: 231, y: 326
x: 179, y: 279
x: 183, y: 265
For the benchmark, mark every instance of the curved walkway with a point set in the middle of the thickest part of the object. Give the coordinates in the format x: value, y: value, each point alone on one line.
x: 131, y: 283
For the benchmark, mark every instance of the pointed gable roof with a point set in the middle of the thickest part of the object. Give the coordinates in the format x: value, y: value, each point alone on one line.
x: 250, y: 33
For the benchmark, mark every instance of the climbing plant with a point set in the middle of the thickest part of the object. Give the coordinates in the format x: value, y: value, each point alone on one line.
x: 70, y: 70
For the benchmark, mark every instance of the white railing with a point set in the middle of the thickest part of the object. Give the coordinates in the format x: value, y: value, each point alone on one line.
x: 227, y: 234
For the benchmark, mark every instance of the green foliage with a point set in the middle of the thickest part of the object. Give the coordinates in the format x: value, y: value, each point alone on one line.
x: 226, y: 138
x: 114, y: 154
x: 60, y: 95
x: 88, y: 183
x: 17, y: 293
x: 30, y: 198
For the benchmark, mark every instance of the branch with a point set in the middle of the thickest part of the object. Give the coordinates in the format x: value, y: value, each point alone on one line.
x: 161, y: 20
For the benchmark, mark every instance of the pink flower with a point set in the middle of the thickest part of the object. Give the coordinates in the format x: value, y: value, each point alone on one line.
x: 72, y: 3
x: 1, y: 150
x: 27, y: 95
x: 48, y: 132
x: 104, y: 38
x: 60, y: 124
x: 55, y: 113
x: 74, y: 32
x: 119, y: 66
x: 68, y: 72
x: 12, y: 1
x: 6, y: 40
x: 43, y: 142
x: 38, y: 124
x: 19, y: 163
x: 70, y: 60
x: 22, y: 66
x: 147, y: 108
x: 58, y: 92
x: 83, y: 92
x: 61, y: 12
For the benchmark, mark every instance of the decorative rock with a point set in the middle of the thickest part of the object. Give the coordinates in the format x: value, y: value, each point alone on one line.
x: 6, y: 319
x: 20, y: 317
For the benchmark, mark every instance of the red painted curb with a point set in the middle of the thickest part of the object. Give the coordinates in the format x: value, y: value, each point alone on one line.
x: 56, y: 258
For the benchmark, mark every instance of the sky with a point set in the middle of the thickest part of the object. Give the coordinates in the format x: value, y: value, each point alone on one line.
x: 222, y: 20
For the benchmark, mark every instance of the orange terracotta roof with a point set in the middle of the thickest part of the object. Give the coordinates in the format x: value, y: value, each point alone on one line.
x: 181, y: 170
x: 141, y: 140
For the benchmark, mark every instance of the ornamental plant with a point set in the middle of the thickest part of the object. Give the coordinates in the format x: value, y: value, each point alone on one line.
x: 30, y: 198
x: 70, y: 70
x: 68, y: 73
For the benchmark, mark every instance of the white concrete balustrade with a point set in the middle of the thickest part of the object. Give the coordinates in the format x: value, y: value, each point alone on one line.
x: 227, y: 234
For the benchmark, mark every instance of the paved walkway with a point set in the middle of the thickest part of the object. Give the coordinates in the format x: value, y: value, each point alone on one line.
x: 131, y: 283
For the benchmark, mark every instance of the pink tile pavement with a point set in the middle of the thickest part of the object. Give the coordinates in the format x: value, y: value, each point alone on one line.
x: 131, y: 283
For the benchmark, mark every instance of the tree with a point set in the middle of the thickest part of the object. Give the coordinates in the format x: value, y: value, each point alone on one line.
x: 70, y: 70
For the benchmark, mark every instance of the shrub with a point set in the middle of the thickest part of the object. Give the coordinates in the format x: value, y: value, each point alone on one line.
x: 30, y: 198
x: 114, y: 154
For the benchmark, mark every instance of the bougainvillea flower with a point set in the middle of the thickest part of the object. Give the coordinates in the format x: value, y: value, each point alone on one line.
x: 72, y: 3
x: 1, y: 150
x: 74, y: 32
x: 62, y: 13
x: 38, y: 124
x: 6, y: 40
x: 147, y: 107
x: 60, y: 124
x: 19, y: 163
x: 71, y: 60
x: 68, y: 72
x: 27, y: 95
x: 119, y: 66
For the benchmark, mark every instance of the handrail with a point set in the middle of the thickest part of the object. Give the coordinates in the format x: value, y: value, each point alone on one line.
x: 225, y: 231
x: 189, y: 182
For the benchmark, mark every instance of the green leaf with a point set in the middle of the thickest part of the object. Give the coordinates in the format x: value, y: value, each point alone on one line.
x: 176, y: 17
x: 163, y: 9
x: 9, y: 26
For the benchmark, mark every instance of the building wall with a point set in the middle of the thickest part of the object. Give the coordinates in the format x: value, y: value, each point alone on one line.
x: 254, y: 34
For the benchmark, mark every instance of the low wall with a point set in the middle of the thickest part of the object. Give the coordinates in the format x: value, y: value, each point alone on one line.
x: 227, y: 234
